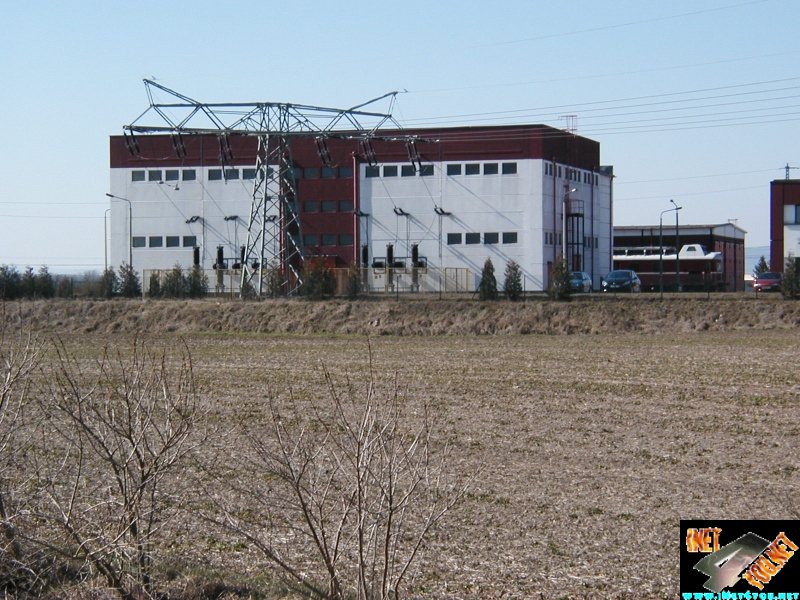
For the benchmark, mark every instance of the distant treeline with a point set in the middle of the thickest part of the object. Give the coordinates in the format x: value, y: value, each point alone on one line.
x: 124, y: 283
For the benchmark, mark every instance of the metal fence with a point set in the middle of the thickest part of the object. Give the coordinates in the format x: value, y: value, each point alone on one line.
x: 403, y: 280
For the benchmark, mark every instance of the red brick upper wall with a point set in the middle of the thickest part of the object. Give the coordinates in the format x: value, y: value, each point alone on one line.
x: 445, y: 144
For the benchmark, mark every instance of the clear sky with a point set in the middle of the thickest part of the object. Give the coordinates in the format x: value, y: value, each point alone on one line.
x: 694, y: 100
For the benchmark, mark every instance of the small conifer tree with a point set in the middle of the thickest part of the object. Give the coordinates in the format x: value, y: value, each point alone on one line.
x: 790, y: 283
x: 487, y: 288
x: 761, y: 266
x: 512, y: 285
x: 108, y: 283
x: 129, y: 284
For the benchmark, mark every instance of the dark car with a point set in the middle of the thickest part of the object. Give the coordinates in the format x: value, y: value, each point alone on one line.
x: 768, y: 282
x: 622, y: 281
x: 580, y: 282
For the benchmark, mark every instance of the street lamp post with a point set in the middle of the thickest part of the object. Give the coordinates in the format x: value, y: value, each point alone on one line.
x: 677, y: 246
x: 661, y: 245
x: 442, y: 213
x: 564, y: 210
x: 130, y: 226
x: 105, y: 239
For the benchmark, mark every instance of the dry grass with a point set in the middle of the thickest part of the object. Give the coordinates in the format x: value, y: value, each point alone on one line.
x: 416, y: 315
x: 587, y: 450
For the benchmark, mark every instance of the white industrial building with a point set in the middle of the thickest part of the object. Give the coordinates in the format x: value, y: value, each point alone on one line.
x: 438, y: 206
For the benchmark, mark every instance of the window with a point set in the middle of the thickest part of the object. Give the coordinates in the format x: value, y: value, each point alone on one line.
x: 490, y: 169
x: 310, y: 239
x: 231, y: 174
x: 310, y: 173
x: 328, y: 206
x: 408, y: 171
x: 328, y: 239
x: 790, y: 214
x: 154, y: 175
x: 509, y: 168
x: 453, y: 170
x: 509, y: 237
x: 346, y: 172
x: 472, y: 169
x: 189, y: 241
x: 215, y: 174
x: 172, y: 175
x: 173, y: 241
x: 189, y: 175
x: 155, y: 241
x: 426, y: 170
x: 491, y: 238
x: 139, y: 241
x: 346, y: 239
x: 311, y: 206
x: 453, y: 238
x: 345, y: 206
x: 390, y: 171
x: 472, y: 238
x: 372, y: 171
x: 248, y: 174
x: 294, y: 173
x: 137, y: 175
x: 328, y: 172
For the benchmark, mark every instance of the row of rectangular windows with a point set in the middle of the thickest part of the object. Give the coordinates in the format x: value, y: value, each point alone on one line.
x: 452, y: 170
x: 493, y: 237
x: 158, y: 241
x: 249, y: 174
x: 551, y: 239
x: 327, y: 206
x: 328, y: 239
x: 232, y: 174
x: 571, y: 173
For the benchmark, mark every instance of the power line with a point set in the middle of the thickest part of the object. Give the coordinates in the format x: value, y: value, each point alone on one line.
x: 699, y: 193
x: 615, y: 104
x: 619, y: 182
x: 53, y: 217
x: 586, y: 76
x: 578, y: 32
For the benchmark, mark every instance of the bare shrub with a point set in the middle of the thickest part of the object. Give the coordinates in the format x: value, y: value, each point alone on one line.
x: 116, y: 432
x: 559, y: 288
x: 340, y: 495
x: 273, y: 281
x: 319, y: 280
x: 20, y: 355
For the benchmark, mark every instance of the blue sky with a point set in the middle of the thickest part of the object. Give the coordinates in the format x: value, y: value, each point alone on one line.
x: 695, y: 100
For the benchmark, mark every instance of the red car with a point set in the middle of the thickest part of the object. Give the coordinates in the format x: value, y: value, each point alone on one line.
x: 768, y: 282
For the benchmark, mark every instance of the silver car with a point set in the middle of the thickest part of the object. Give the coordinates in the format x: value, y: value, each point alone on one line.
x: 580, y: 282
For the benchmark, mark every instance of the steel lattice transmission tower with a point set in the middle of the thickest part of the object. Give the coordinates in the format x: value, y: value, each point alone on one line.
x: 274, y: 196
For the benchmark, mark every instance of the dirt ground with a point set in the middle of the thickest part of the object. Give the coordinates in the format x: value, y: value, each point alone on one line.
x: 585, y: 450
